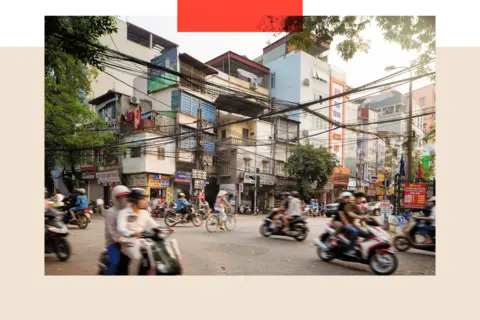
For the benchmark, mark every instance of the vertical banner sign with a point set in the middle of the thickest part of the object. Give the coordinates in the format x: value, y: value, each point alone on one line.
x: 159, y: 79
x: 415, y: 195
x: 337, y: 110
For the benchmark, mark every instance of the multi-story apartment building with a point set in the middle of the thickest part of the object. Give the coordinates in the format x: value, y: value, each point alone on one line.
x: 245, y: 147
x: 114, y: 97
x: 425, y: 97
x: 299, y: 76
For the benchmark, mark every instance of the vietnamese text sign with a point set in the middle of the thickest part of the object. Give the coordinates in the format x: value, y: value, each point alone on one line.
x: 199, y: 174
x: 156, y: 180
x: 108, y: 177
x: 137, y: 180
x: 415, y: 195
x: 181, y: 176
x: 267, y: 180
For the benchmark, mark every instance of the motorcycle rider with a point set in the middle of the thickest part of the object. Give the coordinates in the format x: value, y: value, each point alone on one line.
x: 81, y: 203
x: 282, y: 209
x: 428, y: 228
x: 294, y: 209
x: 353, y: 212
x: 112, y: 236
x: 182, y: 204
x: 131, y: 222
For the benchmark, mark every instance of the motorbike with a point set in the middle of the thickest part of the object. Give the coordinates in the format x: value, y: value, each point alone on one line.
x: 374, y: 251
x: 84, y: 217
x: 159, y: 255
x: 158, y: 212
x: 298, y: 227
x: 56, y: 233
x: 172, y: 217
x: 313, y: 211
x: 407, y: 239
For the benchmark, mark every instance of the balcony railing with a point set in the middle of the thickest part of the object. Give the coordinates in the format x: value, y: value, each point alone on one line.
x: 152, y: 122
x: 236, y: 141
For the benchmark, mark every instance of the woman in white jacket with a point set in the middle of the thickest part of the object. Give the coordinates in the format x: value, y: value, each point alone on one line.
x: 132, y: 221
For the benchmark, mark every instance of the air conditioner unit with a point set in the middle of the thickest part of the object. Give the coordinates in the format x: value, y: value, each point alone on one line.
x: 134, y: 100
x: 253, y: 85
x: 306, y: 82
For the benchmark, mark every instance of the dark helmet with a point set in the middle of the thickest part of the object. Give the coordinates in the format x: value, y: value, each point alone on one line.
x: 137, y: 194
x: 285, y: 194
x: 295, y: 194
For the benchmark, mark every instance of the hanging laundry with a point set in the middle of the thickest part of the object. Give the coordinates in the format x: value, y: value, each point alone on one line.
x: 137, y: 121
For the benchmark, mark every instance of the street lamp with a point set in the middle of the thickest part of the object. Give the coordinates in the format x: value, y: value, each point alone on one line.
x: 409, y: 123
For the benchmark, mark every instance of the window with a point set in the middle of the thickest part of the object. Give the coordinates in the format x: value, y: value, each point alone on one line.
x: 135, y: 152
x: 224, y: 133
x: 265, y: 166
x: 245, y: 133
x: 421, y: 101
x: 272, y: 80
x: 161, y: 153
x: 399, y: 108
x: 248, y: 164
x: 388, y: 110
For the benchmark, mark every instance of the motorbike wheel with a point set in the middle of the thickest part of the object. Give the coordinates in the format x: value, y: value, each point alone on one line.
x: 197, y: 220
x: 62, y: 250
x: 401, y: 244
x: 265, y: 230
x: 377, y: 267
x: 176, y: 269
x: 325, y: 255
x: 170, y: 219
x: 82, y: 222
x: 303, y: 234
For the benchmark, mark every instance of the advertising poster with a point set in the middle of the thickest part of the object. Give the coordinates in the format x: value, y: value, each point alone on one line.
x: 159, y: 79
x: 337, y: 110
x: 415, y: 195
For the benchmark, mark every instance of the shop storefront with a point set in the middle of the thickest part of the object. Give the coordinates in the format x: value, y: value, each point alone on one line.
x: 108, y: 179
x: 181, y: 183
x: 160, y: 185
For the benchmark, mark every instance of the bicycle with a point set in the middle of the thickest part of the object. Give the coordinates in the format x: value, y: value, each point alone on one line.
x: 213, y: 222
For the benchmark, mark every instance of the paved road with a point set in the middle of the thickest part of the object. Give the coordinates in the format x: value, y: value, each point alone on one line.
x: 240, y: 252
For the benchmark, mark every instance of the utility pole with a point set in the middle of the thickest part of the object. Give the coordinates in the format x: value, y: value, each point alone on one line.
x: 198, y: 160
x: 409, y: 133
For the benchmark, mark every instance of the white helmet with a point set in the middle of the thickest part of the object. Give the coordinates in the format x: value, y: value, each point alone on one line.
x: 82, y: 191
x: 345, y: 194
x: 119, y: 191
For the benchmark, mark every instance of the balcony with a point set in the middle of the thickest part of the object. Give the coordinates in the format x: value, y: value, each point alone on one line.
x: 233, y: 141
x: 153, y: 121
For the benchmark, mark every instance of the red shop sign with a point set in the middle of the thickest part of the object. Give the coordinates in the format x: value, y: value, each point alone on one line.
x: 415, y: 195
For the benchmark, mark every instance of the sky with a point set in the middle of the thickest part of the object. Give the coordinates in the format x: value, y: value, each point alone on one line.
x: 361, y: 69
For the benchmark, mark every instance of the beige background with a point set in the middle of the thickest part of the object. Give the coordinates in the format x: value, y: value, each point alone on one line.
x: 28, y: 294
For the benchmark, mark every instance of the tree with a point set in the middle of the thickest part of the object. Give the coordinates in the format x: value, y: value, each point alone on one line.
x: 410, y: 32
x: 308, y: 165
x: 70, y: 67
x: 75, y: 36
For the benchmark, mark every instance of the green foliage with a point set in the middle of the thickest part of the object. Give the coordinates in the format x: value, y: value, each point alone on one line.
x: 68, y: 120
x: 309, y: 164
x: 74, y: 35
x: 410, y: 32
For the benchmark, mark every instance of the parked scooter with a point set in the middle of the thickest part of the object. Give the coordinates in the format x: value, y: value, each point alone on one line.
x: 298, y: 227
x: 159, y: 256
x: 56, y: 233
x: 407, y: 238
x: 374, y: 251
